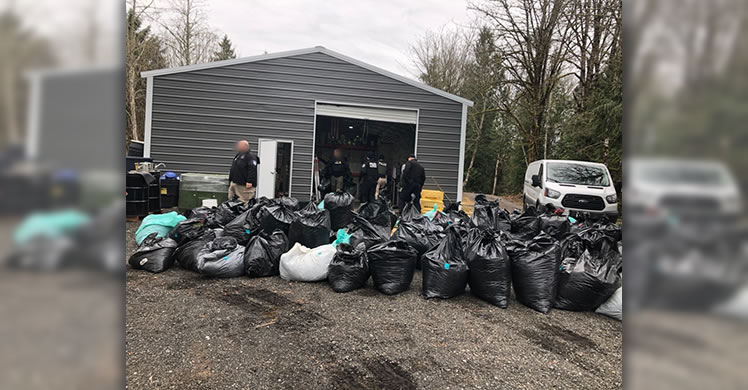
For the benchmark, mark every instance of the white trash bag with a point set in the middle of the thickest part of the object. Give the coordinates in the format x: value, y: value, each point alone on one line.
x: 304, y: 264
x: 613, y: 307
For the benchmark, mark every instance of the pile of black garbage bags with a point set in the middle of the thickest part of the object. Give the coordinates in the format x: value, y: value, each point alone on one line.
x: 544, y: 258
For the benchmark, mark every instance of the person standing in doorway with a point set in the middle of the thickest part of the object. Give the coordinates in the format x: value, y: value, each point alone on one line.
x: 337, y: 171
x: 384, y: 177
x: 369, y: 175
x: 243, y: 173
x: 412, y: 180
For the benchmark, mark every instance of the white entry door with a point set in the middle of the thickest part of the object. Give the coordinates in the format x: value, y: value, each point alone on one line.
x: 268, y: 152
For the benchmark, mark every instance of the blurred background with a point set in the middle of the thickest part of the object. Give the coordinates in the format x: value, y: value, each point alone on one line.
x: 62, y: 139
x: 685, y: 115
x: 61, y: 208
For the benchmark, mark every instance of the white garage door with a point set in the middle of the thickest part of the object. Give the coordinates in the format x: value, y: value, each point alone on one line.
x: 370, y: 113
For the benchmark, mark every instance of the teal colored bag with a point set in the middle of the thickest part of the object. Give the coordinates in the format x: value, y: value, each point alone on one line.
x: 430, y: 214
x: 341, y: 237
x: 158, y: 223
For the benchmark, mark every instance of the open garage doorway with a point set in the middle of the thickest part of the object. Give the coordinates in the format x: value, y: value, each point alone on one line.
x: 357, y: 131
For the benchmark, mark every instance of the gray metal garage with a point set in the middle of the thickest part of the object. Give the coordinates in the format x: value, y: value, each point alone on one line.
x: 294, y: 105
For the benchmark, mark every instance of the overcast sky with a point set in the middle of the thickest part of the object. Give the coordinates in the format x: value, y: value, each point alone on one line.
x: 378, y: 32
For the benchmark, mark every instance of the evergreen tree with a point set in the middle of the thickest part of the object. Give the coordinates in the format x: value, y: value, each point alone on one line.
x: 225, y: 50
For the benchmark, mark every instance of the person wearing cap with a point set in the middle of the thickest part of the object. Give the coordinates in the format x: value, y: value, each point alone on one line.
x: 412, y: 180
x: 368, y: 178
x: 384, y: 176
x: 243, y: 173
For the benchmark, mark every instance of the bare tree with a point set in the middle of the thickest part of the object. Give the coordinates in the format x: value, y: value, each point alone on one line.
x: 134, y: 53
x: 442, y: 59
x: 188, y: 37
x: 535, y: 45
x: 595, y: 27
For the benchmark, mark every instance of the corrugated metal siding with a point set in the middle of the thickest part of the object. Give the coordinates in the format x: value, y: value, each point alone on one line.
x: 198, y: 115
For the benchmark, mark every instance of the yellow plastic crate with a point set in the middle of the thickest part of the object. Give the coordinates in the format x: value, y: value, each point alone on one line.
x: 428, y: 206
x: 432, y: 195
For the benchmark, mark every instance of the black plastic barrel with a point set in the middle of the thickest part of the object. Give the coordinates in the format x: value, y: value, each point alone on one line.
x: 169, y: 193
x: 136, y: 201
x: 154, y: 193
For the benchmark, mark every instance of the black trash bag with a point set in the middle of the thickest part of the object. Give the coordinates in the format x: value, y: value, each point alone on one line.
x: 188, y: 230
x: 485, y: 214
x: 262, y: 255
x: 442, y: 220
x: 590, y: 273
x: 256, y: 212
x: 221, y: 258
x: 288, y: 202
x: 362, y: 231
x: 154, y: 254
x: 228, y: 210
x: 535, y: 272
x: 409, y: 213
x: 417, y: 237
x: 490, y: 268
x: 526, y: 226
x: 378, y: 213
x: 445, y: 272
x: 349, y: 269
x: 311, y: 227
x: 201, y: 212
x: 277, y: 217
x: 186, y: 255
x: 455, y: 214
x: 610, y: 229
x: 239, y: 229
x: 340, y: 206
x: 554, y: 223
x: 503, y: 221
x: 392, y: 265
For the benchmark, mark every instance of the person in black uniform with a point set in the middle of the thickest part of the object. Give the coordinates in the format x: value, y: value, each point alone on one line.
x: 369, y: 175
x: 412, y: 181
x: 337, y: 170
x: 384, y: 176
x: 243, y: 173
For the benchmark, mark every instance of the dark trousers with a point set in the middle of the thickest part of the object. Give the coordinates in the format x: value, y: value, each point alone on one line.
x: 408, y: 193
x: 367, y: 190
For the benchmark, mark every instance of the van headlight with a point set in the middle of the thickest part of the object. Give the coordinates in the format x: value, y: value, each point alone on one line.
x: 553, y: 194
x: 612, y: 199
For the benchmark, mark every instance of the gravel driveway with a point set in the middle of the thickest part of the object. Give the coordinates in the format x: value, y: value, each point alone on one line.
x: 187, y: 332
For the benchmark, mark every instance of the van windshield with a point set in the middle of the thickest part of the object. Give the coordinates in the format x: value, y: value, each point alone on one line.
x: 578, y: 174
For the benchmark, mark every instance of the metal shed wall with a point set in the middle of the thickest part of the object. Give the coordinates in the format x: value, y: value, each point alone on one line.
x: 197, y: 115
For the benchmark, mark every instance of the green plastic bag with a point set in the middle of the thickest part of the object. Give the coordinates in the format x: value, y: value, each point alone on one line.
x: 321, y: 205
x: 158, y: 223
x: 49, y: 225
x: 341, y: 237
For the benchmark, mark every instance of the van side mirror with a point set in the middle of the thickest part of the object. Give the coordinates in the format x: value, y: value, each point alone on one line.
x: 619, y: 186
x: 535, y: 181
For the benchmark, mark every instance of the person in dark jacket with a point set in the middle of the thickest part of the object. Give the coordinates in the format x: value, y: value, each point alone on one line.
x: 368, y: 178
x: 337, y: 171
x: 243, y: 173
x: 412, y: 181
x: 384, y: 176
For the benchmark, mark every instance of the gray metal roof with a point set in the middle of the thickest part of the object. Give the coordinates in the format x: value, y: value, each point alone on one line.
x: 316, y: 49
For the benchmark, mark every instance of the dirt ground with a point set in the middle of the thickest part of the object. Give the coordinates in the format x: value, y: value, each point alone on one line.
x: 188, y: 332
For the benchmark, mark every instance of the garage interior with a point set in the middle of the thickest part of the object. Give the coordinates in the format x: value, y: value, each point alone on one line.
x: 356, y: 137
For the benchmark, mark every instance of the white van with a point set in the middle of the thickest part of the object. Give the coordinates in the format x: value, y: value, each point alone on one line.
x: 575, y: 186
